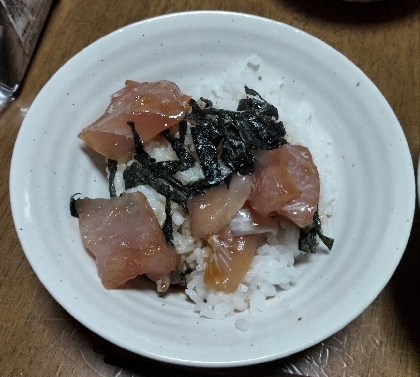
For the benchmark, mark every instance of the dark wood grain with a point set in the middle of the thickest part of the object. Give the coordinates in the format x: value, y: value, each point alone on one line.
x: 38, y: 338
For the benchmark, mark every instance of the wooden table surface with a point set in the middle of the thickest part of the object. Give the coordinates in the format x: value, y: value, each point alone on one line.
x: 38, y: 338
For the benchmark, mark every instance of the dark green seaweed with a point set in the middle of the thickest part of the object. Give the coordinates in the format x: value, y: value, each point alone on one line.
x: 258, y: 104
x: 203, y: 135
x: 186, y: 159
x: 236, y: 152
x: 112, y: 169
x: 254, y: 126
x: 138, y: 174
x: 141, y: 154
x: 73, y: 210
x: 157, y: 170
x: 167, y: 227
x: 327, y: 241
x: 307, y: 239
x: 160, y: 177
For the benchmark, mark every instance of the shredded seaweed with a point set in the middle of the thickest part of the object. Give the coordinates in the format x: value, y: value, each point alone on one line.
x: 186, y: 159
x: 167, y: 227
x: 307, y: 239
x: 160, y: 177
x: 138, y: 146
x: 254, y: 126
x: 73, y: 209
x: 139, y: 174
x: 236, y: 152
x: 112, y: 169
x: 203, y: 135
x: 258, y: 104
x: 157, y: 170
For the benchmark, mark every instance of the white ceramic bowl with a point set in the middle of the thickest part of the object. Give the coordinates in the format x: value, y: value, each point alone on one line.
x: 373, y: 174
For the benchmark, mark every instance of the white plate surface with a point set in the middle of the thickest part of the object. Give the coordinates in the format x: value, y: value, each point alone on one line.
x: 373, y: 175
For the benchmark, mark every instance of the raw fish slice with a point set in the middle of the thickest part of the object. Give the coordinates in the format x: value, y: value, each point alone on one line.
x: 298, y: 181
x: 212, y: 211
x: 247, y: 222
x: 125, y: 237
x: 274, y: 187
x: 152, y: 106
x: 229, y: 261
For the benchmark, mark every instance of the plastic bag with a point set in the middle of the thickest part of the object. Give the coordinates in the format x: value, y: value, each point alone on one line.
x: 21, y: 23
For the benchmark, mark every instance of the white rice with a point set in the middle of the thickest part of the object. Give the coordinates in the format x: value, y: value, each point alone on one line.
x: 272, y: 269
